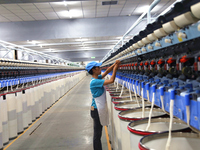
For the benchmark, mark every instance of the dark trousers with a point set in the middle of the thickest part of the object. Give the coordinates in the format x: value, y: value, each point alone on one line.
x: 97, y: 130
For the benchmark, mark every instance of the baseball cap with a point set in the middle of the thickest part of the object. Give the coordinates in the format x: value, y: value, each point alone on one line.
x: 91, y: 65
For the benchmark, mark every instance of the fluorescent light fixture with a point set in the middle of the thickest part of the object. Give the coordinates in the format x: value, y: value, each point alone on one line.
x: 33, y: 42
x: 92, y: 57
x: 81, y: 40
x: 76, y: 13
x: 64, y: 13
x: 119, y: 37
x: 58, y: 3
x: 50, y: 49
x: 65, y: 3
x: 70, y: 15
x: 141, y: 9
x: 86, y: 47
x: 72, y: 2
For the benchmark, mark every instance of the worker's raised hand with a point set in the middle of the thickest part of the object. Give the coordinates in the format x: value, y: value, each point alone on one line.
x: 118, y: 62
x: 116, y: 66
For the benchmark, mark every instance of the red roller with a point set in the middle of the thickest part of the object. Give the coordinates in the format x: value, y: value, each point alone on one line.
x: 184, y: 59
x: 146, y: 63
x: 161, y: 61
x: 152, y: 62
x: 170, y: 60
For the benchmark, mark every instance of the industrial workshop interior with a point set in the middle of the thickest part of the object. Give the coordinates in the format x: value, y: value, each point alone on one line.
x: 99, y: 74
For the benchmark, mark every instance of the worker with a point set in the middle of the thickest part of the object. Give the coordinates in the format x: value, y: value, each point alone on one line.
x: 99, y: 111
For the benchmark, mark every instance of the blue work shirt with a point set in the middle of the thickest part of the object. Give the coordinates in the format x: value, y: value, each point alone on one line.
x: 96, y: 88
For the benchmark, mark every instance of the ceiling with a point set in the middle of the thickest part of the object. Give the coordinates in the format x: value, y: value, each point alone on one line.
x: 76, y: 48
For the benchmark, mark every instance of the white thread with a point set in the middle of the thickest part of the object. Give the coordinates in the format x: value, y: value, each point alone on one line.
x: 170, y: 125
x: 188, y: 114
x: 142, y: 104
x: 130, y: 92
x: 162, y: 102
x: 150, y: 113
x: 117, y: 85
x: 122, y: 89
x: 136, y: 96
x: 148, y: 96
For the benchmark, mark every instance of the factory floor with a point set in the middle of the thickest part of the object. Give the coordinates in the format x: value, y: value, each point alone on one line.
x: 65, y: 126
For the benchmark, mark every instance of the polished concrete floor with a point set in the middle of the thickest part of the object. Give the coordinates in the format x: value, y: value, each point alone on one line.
x: 66, y: 126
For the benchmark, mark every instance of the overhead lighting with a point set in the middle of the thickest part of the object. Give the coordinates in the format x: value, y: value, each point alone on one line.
x: 33, y: 42
x: 59, y: 3
x: 72, y: 2
x: 70, y: 15
x: 92, y: 57
x: 86, y: 47
x: 76, y: 12
x: 119, y: 37
x: 141, y: 9
x: 81, y: 39
x: 50, y: 49
x: 65, y: 13
x: 69, y: 11
x: 65, y: 3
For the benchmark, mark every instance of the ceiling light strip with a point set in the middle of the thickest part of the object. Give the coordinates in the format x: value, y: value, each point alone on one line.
x: 71, y: 50
x: 70, y: 43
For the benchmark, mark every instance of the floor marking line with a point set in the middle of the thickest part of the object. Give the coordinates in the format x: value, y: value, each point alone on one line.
x: 35, y: 129
x: 41, y: 115
x: 107, y: 137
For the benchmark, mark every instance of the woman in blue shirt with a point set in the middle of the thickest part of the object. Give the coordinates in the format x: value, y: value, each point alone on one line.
x: 99, y: 106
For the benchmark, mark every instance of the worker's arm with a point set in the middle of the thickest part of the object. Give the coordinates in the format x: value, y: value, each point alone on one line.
x: 110, y: 68
x: 112, y: 79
